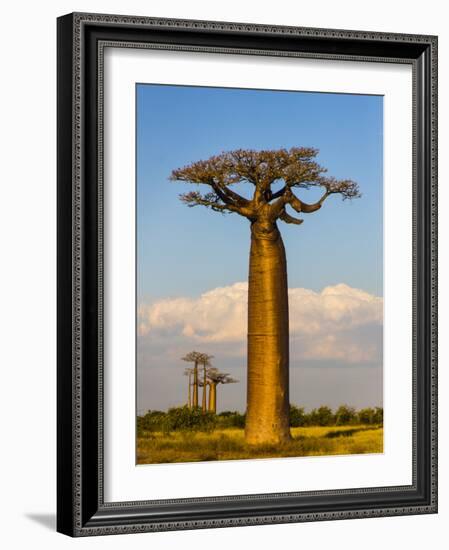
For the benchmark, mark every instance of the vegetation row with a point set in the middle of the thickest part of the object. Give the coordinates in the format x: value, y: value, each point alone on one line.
x: 195, y: 419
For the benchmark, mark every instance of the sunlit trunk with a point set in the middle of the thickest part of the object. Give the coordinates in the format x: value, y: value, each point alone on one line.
x: 267, y: 415
x: 195, y: 385
x: 212, y: 397
x: 189, y: 401
x: 204, y: 403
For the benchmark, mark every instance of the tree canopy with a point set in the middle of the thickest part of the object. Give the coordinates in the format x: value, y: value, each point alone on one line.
x: 197, y: 357
x: 292, y: 169
x: 217, y: 377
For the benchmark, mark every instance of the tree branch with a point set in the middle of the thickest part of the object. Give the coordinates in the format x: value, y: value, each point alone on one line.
x: 220, y: 193
x: 285, y: 217
x: 279, y: 193
x: 193, y: 198
x: 228, y: 195
x: 288, y: 197
x: 301, y: 206
x: 348, y: 189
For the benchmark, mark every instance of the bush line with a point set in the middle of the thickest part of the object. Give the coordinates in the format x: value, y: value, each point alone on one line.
x: 194, y: 419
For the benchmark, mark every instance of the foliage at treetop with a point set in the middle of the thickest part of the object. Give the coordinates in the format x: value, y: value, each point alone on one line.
x: 295, y: 167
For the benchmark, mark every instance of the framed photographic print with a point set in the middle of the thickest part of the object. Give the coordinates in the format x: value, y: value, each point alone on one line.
x: 247, y: 289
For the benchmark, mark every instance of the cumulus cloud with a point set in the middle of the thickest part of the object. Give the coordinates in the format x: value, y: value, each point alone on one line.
x: 216, y: 316
x: 339, y: 323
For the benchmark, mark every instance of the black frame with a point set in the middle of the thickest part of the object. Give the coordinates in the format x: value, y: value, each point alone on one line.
x: 81, y: 510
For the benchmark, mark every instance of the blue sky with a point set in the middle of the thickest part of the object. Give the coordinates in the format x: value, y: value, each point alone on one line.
x: 186, y: 252
x: 177, y: 125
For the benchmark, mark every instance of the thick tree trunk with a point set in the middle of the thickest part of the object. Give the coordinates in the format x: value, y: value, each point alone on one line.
x: 267, y: 414
x: 195, y: 386
x: 189, y: 401
x: 213, y: 397
x: 204, y: 402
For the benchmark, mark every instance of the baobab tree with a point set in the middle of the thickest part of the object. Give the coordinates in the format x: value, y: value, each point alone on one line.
x: 189, y: 373
x: 275, y: 176
x: 196, y: 358
x: 206, y: 361
x: 215, y: 377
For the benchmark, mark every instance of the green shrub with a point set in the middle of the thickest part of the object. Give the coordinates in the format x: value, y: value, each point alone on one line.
x: 152, y: 421
x: 366, y: 416
x: 183, y: 418
x: 297, y: 416
x: 345, y: 415
x: 378, y: 417
x: 322, y: 416
x: 231, y: 419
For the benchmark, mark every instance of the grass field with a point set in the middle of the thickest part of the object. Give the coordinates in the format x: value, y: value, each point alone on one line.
x: 229, y: 444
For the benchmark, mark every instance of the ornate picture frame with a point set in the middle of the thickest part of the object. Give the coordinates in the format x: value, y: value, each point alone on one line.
x: 82, y: 509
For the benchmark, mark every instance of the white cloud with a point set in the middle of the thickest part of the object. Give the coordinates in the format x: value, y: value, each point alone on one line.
x: 338, y: 323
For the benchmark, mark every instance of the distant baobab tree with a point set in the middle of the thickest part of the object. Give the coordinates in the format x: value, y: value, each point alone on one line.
x: 196, y: 358
x: 267, y: 415
x: 206, y: 362
x: 189, y: 372
x: 215, y: 377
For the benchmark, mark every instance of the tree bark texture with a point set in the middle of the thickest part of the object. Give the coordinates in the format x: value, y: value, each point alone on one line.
x: 204, y: 401
x: 267, y: 415
x: 195, y: 386
x: 212, y: 397
x: 189, y: 401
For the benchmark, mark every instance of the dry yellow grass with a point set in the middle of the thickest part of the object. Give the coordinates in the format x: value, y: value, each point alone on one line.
x: 229, y: 444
